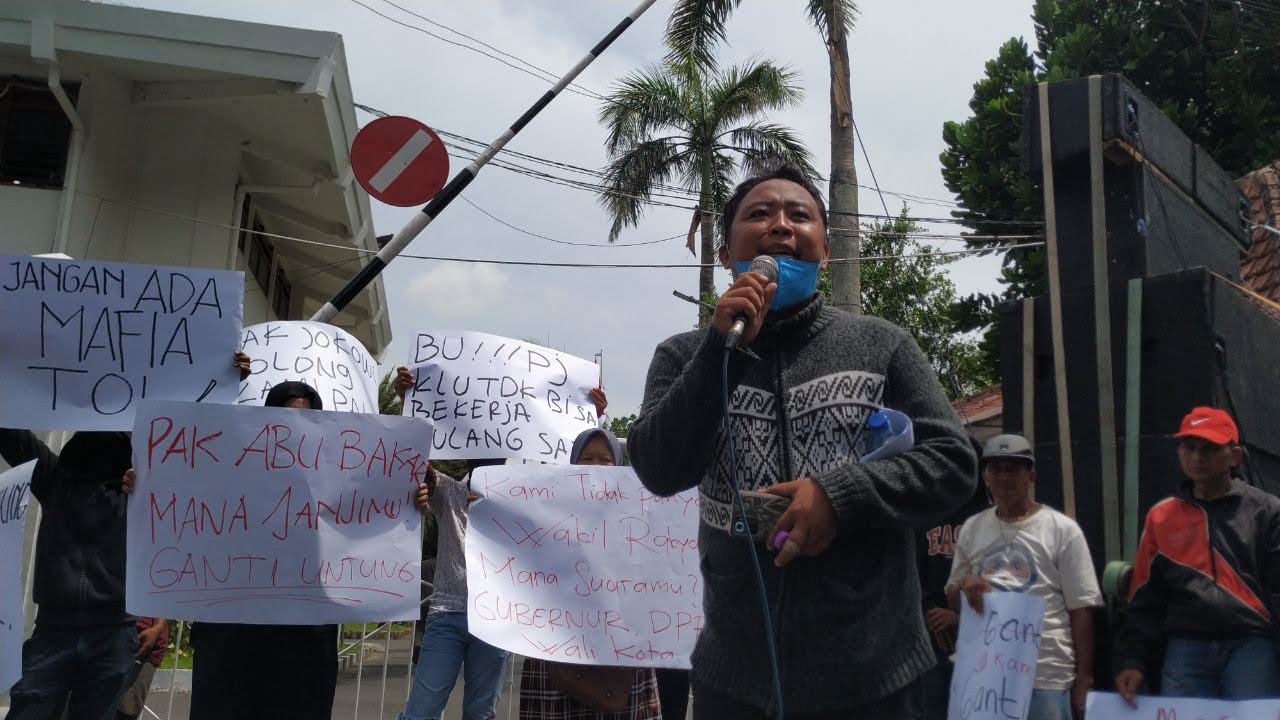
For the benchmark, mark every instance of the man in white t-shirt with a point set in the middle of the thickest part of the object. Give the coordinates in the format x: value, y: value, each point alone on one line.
x: 1020, y: 545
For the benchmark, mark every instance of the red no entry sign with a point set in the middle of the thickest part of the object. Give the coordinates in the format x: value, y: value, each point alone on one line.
x: 399, y: 161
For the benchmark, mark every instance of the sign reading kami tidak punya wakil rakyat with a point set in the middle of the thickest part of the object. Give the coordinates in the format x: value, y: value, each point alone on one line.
x: 581, y: 564
x: 274, y: 515
x: 494, y: 397
x: 85, y: 341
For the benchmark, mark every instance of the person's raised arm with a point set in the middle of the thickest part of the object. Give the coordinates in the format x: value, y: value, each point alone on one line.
x: 20, y: 446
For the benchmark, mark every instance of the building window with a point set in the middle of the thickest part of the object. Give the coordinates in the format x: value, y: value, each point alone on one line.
x: 34, y: 133
x: 259, y: 252
x: 284, y: 294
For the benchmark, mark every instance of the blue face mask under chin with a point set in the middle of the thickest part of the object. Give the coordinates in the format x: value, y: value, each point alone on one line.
x: 797, y: 281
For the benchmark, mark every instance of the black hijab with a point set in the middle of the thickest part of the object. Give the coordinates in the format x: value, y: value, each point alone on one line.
x: 282, y: 393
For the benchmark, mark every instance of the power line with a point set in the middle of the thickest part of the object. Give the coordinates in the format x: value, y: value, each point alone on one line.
x: 367, y: 251
x: 424, y: 31
x: 517, y: 228
x: 551, y: 77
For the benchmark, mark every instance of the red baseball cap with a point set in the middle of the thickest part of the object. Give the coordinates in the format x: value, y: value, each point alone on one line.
x: 1210, y: 424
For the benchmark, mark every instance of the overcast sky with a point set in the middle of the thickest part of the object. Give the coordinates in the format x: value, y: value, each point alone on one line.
x: 913, y: 65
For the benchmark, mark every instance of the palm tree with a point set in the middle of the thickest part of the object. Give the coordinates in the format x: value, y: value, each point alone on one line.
x: 681, y: 121
x: 696, y: 26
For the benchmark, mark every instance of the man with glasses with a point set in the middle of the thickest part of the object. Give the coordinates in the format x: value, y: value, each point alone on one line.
x: 1207, y: 577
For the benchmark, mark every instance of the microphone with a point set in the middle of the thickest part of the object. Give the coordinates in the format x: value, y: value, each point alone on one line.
x: 766, y: 266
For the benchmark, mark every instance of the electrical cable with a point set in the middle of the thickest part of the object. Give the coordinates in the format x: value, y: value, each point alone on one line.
x: 750, y: 539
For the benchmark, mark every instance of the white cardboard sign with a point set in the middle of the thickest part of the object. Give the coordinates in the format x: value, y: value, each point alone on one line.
x: 581, y: 564
x: 996, y: 656
x: 85, y: 341
x: 14, y: 489
x: 1110, y: 706
x: 493, y: 397
x: 274, y: 515
x: 325, y: 357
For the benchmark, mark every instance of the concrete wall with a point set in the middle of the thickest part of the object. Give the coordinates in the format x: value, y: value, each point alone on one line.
x: 143, y: 172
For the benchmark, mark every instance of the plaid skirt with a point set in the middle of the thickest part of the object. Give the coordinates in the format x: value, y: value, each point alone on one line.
x: 540, y: 701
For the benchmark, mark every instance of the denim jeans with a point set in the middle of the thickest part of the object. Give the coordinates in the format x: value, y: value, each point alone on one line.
x: 447, y: 646
x: 81, y: 668
x: 1050, y: 705
x: 1237, y: 668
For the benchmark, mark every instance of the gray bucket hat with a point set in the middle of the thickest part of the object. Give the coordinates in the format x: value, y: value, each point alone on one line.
x: 1010, y: 446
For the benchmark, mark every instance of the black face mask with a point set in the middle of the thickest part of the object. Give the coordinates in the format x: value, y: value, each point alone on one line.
x: 102, y: 454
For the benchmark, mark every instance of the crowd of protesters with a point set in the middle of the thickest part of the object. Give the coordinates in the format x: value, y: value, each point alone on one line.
x: 1198, y: 622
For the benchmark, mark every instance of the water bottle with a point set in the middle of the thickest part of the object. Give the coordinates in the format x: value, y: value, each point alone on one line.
x: 878, y: 431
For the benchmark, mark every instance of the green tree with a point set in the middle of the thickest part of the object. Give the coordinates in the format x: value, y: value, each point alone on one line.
x: 680, y: 121
x: 697, y: 26
x: 1210, y: 65
x: 907, y: 285
x: 388, y: 402
x: 620, y: 426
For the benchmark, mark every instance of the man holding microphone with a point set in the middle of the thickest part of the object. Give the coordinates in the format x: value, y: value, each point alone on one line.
x: 842, y: 590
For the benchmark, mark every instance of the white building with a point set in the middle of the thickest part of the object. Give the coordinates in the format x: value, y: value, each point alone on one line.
x: 142, y: 136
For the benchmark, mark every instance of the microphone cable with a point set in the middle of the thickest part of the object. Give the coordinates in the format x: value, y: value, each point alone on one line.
x: 750, y: 538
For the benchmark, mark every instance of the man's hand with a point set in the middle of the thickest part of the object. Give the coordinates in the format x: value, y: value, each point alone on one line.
x: 147, y: 639
x: 942, y: 623
x: 809, y: 520
x: 973, y: 587
x: 1127, y: 684
x: 403, y: 381
x: 130, y: 479
x: 749, y: 296
x: 241, y: 363
x: 422, y: 497
x: 597, y: 397
x: 1079, y: 693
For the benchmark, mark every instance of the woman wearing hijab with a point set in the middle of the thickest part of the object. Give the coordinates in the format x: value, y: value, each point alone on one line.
x: 551, y: 691
x: 246, y: 672
x: 266, y: 671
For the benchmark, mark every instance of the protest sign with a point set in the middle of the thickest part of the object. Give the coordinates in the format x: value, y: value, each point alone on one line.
x: 1110, y: 706
x: 582, y: 565
x: 14, y: 487
x: 325, y: 357
x: 494, y: 397
x: 996, y: 657
x: 274, y: 515
x: 85, y: 341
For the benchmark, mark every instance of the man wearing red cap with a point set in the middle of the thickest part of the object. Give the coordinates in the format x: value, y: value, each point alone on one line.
x: 1207, y: 577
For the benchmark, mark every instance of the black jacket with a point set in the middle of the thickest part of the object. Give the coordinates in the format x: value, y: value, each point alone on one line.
x: 80, y: 548
x: 1205, y: 569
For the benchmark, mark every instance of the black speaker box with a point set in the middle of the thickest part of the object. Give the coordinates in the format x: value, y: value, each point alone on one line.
x: 1137, y: 124
x: 1202, y: 342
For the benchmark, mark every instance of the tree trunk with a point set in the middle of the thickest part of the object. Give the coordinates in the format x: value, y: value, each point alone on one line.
x: 842, y: 191
x: 707, y: 274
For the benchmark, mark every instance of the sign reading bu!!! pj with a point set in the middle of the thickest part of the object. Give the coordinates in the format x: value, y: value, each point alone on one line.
x: 493, y: 397
x: 85, y: 341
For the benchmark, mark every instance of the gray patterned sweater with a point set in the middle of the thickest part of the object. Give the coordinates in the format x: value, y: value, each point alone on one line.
x: 847, y: 622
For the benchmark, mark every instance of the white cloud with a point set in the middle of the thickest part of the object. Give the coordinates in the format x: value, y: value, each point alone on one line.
x: 455, y: 290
